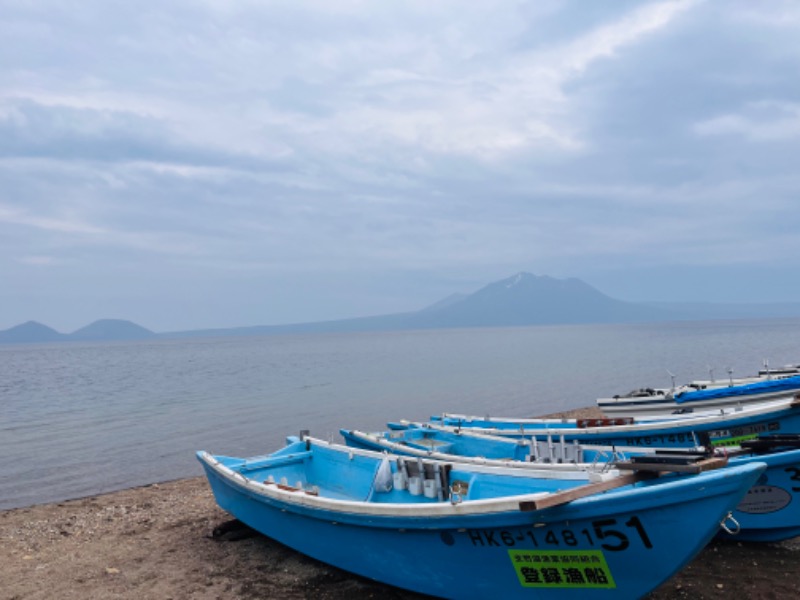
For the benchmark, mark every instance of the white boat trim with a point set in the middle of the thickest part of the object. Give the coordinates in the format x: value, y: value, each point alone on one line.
x: 533, y: 468
x: 300, y: 498
x: 529, y: 426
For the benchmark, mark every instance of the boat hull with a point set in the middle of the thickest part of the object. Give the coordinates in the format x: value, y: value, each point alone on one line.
x: 729, y: 429
x: 664, y: 402
x: 664, y: 406
x: 770, y: 511
x: 619, y: 544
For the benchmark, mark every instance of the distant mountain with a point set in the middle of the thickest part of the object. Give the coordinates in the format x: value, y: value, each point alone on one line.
x: 526, y: 299
x: 445, y: 302
x: 523, y: 299
x: 111, y: 329
x: 102, y: 330
x: 30, y: 332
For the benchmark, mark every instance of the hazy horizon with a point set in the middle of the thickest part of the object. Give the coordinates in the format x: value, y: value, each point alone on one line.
x: 681, y: 311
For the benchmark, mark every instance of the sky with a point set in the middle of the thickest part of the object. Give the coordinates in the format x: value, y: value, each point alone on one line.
x: 190, y: 164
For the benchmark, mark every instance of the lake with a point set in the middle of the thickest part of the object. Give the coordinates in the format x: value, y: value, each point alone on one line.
x: 77, y: 419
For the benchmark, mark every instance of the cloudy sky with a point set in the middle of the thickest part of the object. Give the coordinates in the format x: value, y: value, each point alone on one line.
x: 212, y: 163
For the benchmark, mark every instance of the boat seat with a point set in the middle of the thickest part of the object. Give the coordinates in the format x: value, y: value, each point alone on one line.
x: 555, y: 451
x: 274, y: 461
x: 428, y: 471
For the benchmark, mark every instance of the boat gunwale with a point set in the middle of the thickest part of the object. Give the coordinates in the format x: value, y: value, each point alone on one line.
x: 545, y: 468
x: 777, y: 409
x: 508, y: 505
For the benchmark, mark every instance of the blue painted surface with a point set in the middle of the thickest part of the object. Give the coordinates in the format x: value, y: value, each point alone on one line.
x: 769, y: 513
x: 416, y: 441
x: 619, y: 544
x: 788, y: 385
x: 724, y: 430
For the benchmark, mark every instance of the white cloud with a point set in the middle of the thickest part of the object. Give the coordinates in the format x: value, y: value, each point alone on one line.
x: 436, y: 78
x: 780, y: 14
x: 253, y: 138
x: 501, y: 103
x: 762, y: 121
x: 606, y: 41
x: 57, y: 224
x: 40, y: 261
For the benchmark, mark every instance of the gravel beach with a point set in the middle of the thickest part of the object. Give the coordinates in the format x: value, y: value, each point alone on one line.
x: 170, y: 540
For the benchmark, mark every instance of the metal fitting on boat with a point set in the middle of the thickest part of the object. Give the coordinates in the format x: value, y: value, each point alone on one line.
x: 734, y: 528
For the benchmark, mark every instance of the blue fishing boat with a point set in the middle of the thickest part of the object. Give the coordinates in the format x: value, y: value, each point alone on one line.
x: 725, y: 427
x: 702, y: 395
x: 427, y: 440
x: 466, y: 531
x: 754, y: 392
x: 770, y: 512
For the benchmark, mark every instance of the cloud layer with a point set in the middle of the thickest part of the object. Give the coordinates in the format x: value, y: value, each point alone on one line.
x: 200, y: 164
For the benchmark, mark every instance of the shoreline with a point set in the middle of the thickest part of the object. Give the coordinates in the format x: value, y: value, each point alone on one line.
x: 170, y: 540
x: 158, y: 541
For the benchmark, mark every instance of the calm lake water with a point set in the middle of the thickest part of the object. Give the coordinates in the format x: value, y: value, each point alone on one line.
x: 79, y: 419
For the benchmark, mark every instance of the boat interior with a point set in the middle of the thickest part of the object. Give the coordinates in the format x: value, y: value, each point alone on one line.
x: 337, y: 472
